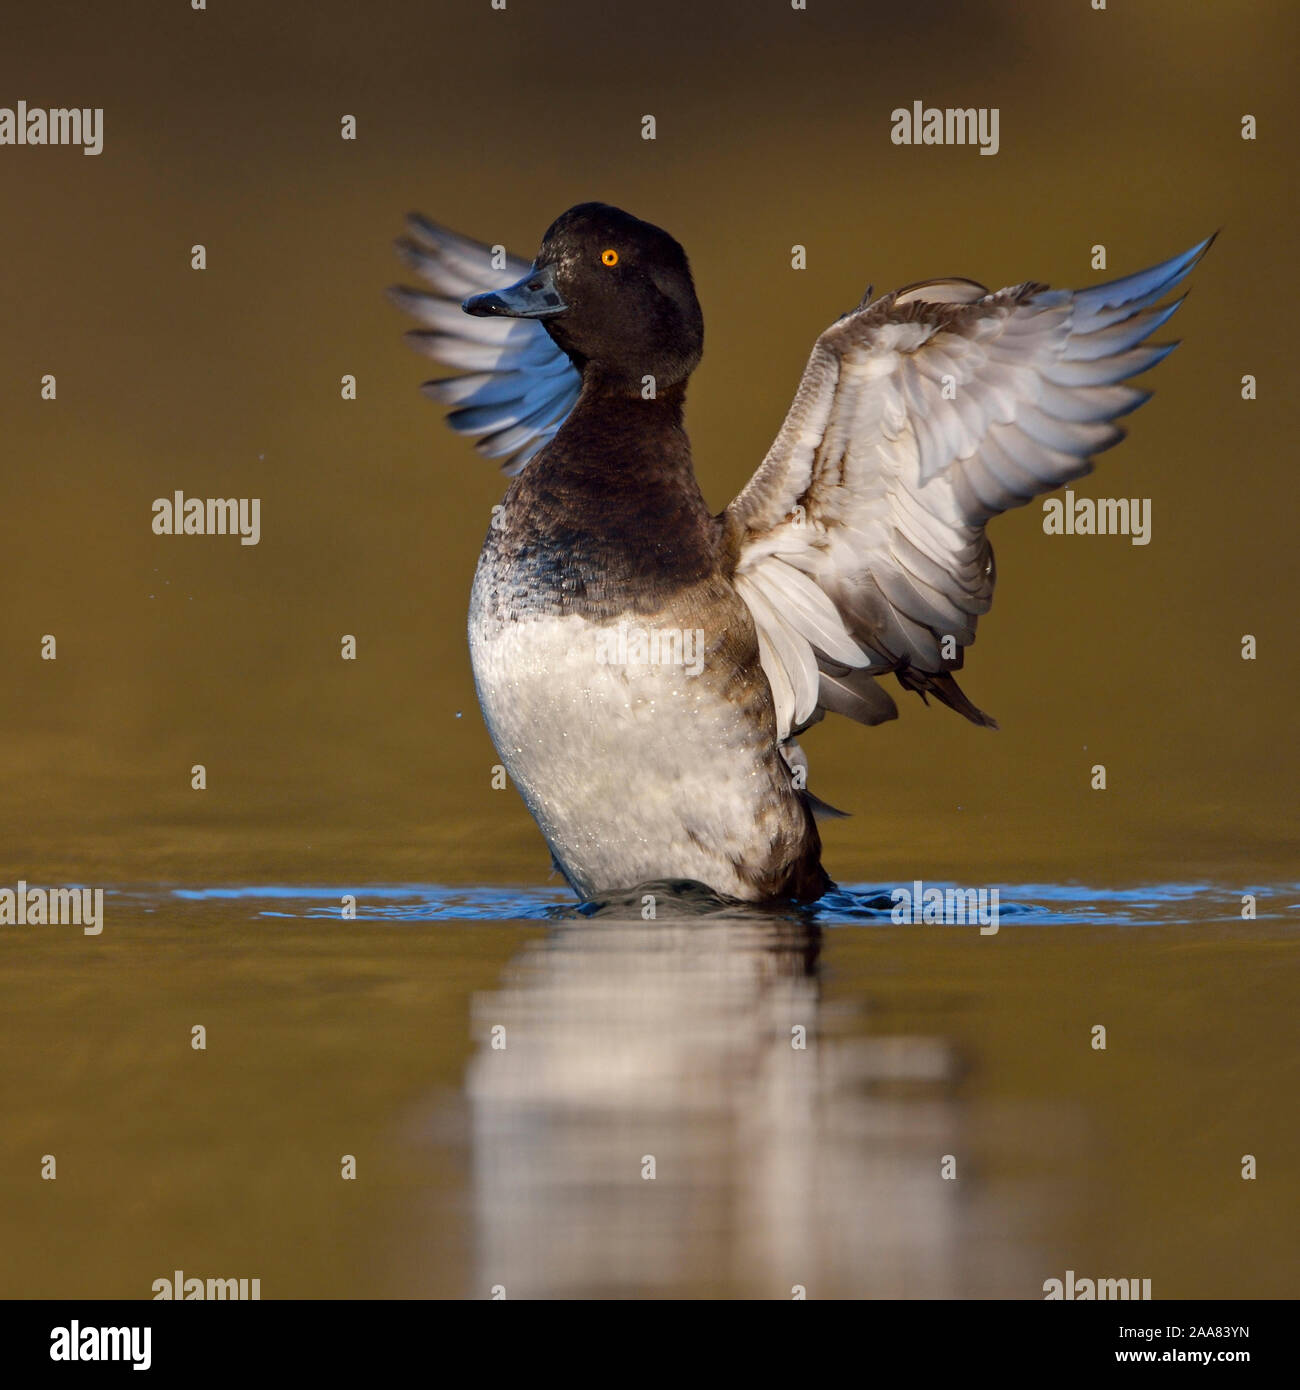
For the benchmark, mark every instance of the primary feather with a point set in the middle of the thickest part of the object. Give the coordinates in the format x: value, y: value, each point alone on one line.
x: 518, y: 386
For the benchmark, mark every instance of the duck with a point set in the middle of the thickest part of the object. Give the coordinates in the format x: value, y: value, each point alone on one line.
x: 646, y: 667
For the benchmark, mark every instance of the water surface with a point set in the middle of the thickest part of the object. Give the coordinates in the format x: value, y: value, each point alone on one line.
x: 799, y: 1079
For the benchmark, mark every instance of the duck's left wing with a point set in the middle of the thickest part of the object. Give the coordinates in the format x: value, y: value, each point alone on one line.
x: 859, y: 544
x: 518, y: 386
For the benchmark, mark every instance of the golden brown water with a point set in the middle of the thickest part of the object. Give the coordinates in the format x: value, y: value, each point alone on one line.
x: 774, y: 1166
x: 523, y: 1167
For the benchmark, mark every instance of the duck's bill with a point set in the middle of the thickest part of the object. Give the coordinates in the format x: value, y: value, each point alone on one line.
x: 533, y: 297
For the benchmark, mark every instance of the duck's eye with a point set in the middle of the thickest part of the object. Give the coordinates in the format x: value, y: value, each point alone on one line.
x: 609, y: 257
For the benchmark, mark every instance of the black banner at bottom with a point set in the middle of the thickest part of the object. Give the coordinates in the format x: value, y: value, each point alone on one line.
x: 173, y: 1339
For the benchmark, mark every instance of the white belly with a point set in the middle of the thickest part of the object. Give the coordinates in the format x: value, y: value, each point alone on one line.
x: 635, y: 770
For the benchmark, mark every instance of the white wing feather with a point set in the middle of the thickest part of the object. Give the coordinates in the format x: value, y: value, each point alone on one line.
x: 919, y: 418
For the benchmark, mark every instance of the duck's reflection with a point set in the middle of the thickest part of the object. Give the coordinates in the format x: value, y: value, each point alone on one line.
x: 667, y: 1108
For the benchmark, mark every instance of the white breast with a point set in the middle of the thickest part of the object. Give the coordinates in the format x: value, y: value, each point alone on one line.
x: 635, y: 769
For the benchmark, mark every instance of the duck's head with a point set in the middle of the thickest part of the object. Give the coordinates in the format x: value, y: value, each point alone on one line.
x: 615, y: 293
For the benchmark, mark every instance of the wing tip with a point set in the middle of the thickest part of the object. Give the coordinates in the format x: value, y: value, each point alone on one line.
x: 945, y: 689
x: 1141, y: 396
x: 1116, y: 301
x: 418, y: 223
x: 823, y: 810
x: 436, y: 390
x: 403, y: 296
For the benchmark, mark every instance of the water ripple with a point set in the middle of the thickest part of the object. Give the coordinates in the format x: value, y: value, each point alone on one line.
x: 1020, y: 904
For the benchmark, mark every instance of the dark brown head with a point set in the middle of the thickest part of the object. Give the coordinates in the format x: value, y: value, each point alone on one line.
x: 615, y: 293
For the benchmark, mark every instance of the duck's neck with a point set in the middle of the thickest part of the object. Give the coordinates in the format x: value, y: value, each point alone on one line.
x: 619, y: 444
x: 614, y: 499
x: 611, y: 406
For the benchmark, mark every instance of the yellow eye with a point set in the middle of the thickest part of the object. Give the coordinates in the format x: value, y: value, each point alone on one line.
x: 609, y: 257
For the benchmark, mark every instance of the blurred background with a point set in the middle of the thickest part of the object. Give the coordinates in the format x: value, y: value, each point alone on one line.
x: 1119, y: 127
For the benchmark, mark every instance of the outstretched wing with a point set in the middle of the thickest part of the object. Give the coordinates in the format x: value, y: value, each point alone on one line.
x: 518, y: 386
x: 859, y: 543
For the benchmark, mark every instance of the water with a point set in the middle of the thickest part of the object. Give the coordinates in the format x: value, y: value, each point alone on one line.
x: 718, y: 1103
x: 1023, y: 904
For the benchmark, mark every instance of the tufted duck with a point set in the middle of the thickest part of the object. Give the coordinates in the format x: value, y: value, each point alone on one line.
x: 645, y: 667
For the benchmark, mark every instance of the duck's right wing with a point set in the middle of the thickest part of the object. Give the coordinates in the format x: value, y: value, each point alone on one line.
x: 518, y: 386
